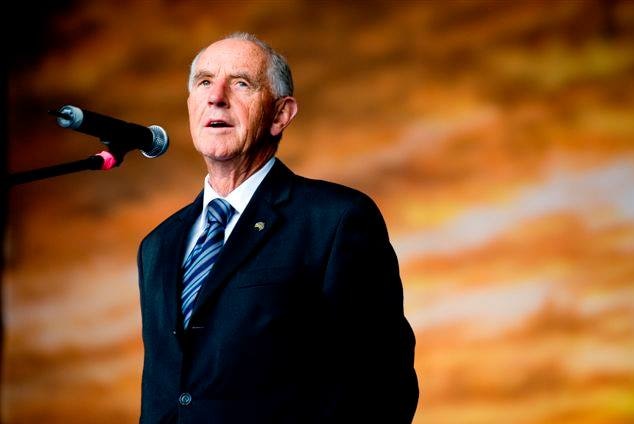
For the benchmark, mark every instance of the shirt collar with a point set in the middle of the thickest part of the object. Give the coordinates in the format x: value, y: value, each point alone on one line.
x: 240, y: 196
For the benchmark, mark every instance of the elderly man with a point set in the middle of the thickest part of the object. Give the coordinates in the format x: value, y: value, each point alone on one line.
x: 271, y: 298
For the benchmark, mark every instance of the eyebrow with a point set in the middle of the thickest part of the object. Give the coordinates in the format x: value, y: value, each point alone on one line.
x: 243, y: 75
x: 201, y: 74
x: 247, y: 77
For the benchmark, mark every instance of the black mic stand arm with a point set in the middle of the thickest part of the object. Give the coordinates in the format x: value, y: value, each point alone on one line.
x: 94, y: 162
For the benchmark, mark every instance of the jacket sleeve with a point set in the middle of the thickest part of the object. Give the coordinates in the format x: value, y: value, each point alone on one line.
x: 373, y: 346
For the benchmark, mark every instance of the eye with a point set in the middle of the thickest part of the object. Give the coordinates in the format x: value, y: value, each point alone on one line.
x: 204, y: 83
x: 242, y: 84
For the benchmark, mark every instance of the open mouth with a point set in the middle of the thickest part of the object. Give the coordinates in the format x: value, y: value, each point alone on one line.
x: 217, y: 123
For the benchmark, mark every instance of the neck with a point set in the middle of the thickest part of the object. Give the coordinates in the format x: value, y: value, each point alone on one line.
x: 225, y: 176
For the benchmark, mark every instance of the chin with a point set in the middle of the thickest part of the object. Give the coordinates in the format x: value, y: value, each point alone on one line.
x: 214, y: 151
x: 216, y: 156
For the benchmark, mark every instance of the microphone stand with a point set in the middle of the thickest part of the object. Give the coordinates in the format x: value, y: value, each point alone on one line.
x: 101, y: 161
x: 94, y: 162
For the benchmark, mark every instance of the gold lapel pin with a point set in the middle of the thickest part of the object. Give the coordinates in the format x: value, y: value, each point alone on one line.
x: 259, y: 225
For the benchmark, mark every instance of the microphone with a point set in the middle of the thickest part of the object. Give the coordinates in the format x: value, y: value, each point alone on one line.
x: 122, y: 136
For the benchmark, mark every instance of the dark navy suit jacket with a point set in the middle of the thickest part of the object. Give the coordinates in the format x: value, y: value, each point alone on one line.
x: 300, y: 321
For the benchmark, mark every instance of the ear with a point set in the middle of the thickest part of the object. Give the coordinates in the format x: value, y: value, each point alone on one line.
x: 286, y: 109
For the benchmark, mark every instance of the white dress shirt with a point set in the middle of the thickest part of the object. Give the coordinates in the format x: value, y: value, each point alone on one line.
x: 239, y: 199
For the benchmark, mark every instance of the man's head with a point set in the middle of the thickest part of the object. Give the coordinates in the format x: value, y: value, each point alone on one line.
x: 279, y: 72
x: 239, y: 100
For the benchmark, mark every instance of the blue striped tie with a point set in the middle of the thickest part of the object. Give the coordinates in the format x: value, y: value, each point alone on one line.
x: 204, y: 254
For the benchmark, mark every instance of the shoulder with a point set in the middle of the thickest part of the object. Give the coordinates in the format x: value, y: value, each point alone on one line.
x: 327, y: 190
x: 176, y: 220
x: 339, y: 199
x: 315, y: 197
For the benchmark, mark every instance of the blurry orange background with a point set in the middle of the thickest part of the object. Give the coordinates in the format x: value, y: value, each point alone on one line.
x: 496, y: 137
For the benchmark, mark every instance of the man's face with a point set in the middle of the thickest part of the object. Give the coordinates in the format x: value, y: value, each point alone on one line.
x: 230, y: 105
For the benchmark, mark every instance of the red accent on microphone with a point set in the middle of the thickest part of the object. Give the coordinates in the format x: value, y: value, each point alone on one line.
x: 109, y: 161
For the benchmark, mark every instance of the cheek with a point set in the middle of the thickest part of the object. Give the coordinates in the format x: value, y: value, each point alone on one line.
x: 190, y: 108
x: 256, y: 115
x: 193, y: 105
x: 193, y: 126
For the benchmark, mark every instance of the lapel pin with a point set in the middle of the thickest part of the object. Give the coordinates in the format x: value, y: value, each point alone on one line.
x: 259, y: 225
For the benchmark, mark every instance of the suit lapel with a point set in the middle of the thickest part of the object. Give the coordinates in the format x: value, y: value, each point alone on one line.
x: 257, y: 222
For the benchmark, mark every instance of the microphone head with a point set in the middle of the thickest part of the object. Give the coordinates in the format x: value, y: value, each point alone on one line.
x: 69, y: 117
x: 160, y: 142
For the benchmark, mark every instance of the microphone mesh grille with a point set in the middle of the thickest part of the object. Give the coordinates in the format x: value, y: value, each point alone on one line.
x: 160, y: 142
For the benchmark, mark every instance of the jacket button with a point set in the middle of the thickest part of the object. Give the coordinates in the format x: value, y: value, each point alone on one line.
x: 185, y: 399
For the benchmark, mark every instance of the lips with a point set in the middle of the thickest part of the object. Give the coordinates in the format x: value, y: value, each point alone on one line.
x: 218, y: 123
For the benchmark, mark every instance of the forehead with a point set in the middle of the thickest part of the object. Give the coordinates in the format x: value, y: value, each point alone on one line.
x: 233, y: 55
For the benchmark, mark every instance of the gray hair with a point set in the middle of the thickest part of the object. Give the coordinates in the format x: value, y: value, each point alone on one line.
x: 278, y: 71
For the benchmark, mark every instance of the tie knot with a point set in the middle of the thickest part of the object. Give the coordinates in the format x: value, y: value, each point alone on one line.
x: 220, y: 211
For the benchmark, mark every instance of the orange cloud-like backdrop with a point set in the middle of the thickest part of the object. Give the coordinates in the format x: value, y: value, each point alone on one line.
x: 496, y: 137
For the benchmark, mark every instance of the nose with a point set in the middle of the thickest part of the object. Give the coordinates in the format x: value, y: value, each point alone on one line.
x: 218, y: 94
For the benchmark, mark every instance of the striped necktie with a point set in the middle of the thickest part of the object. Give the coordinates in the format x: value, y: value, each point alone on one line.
x: 204, y: 254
